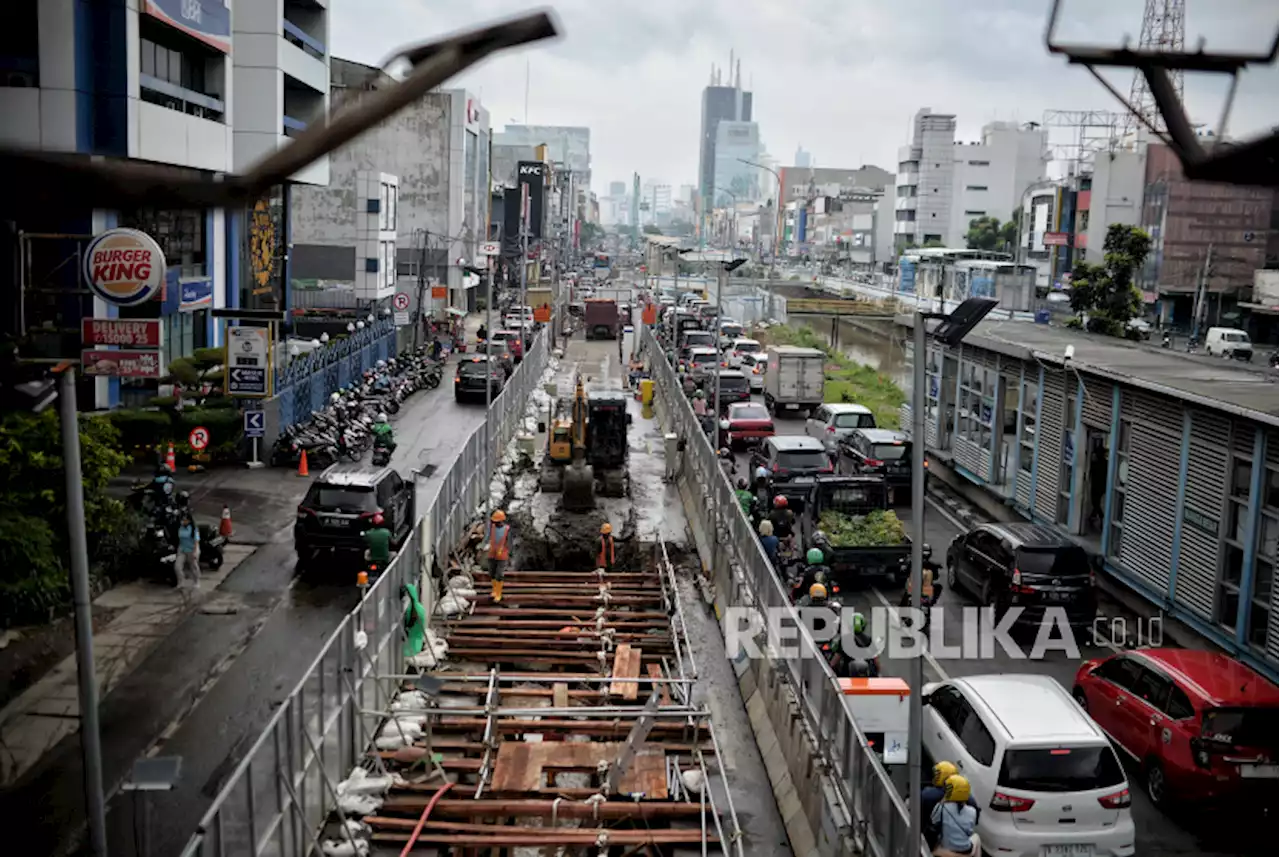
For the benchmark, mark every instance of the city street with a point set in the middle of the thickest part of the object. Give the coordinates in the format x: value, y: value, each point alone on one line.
x: 206, y: 692
x: 1158, y: 833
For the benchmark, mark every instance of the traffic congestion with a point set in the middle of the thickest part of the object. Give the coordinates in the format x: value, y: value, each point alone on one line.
x: 1052, y: 718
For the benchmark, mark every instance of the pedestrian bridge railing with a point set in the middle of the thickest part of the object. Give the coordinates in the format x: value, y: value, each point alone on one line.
x: 867, y: 806
x: 285, y: 787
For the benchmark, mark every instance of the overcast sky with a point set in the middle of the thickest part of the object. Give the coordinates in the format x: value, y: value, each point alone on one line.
x: 841, y: 78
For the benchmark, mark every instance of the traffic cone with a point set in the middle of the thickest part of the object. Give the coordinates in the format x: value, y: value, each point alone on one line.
x: 170, y: 460
x: 302, y: 465
x: 224, y: 526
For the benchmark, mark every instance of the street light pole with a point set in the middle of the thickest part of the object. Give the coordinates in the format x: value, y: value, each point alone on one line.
x: 915, y: 716
x: 90, y: 737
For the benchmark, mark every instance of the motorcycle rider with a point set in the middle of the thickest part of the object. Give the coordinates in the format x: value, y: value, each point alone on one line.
x: 955, y: 819
x: 745, y: 498
x: 783, y: 519
x: 482, y: 333
x: 161, y: 487
x: 382, y: 377
x: 769, y: 541
x: 727, y: 464
x: 384, y: 436
x: 377, y: 541
x: 815, y: 597
x: 932, y: 794
x: 863, y: 664
x: 930, y: 590
x: 815, y: 571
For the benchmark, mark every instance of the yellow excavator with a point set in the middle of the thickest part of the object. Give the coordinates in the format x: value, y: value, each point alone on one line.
x: 586, y: 439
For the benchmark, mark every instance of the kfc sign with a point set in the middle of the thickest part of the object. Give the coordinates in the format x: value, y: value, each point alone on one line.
x: 528, y: 169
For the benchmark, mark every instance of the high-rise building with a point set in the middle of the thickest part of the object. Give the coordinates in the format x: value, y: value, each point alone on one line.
x: 723, y: 100
x: 733, y: 180
x: 617, y: 188
x: 803, y: 158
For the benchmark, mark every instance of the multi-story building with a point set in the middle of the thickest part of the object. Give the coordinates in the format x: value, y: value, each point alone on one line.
x: 925, y: 181
x: 801, y: 183
x: 1202, y: 230
x: 657, y: 197
x: 205, y: 86
x: 735, y: 180
x: 990, y: 176
x: 617, y: 188
x: 721, y: 102
x: 427, y: 166
x: 803, y: 159
x: 567, y: 145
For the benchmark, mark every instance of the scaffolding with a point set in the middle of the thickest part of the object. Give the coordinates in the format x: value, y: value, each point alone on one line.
x: 1077, y: 136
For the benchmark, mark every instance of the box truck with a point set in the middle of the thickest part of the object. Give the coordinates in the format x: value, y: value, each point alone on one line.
x: 793, y: 378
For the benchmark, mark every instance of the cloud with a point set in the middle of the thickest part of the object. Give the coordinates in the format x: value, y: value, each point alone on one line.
x: 842, y: 79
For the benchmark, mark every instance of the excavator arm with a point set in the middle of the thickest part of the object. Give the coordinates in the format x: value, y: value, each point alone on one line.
x: 580, y: 417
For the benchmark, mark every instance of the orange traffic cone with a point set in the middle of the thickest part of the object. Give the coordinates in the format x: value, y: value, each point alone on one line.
x: 302, y: 465
x: 224, y: 526
x: 170, y: 461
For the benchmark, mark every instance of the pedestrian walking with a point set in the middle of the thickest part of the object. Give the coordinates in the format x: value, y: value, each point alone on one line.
x: 187, y: 568
x: 498, y: 549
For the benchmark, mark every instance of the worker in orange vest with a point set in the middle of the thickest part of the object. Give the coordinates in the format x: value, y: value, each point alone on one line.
x: 498, y: 548
x: 604, y: 559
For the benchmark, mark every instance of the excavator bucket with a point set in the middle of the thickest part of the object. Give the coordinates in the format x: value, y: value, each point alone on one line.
x: 579, y: 487
x: 551, y: 479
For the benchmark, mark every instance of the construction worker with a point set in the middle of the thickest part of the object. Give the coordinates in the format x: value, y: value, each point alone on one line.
x: 498, y: 549
x: 605, y: 556
x: 377, y: 544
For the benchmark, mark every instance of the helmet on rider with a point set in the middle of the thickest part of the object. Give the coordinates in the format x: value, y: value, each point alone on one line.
x: 725, y: 453
x: 926, y: 551
x: 942, y: 770
x: 382, y: 364
x: 742, y: 484
x: 762, y: 473
x: 724, y: 425
x: 817, y: 592
x: 382, y: 417
x: 859, y: 623
x: 780, y: 502
x: 766, y: 527
x: 819, y: 537
x: 378, y: 520
x: 335, y: 397
x: 956, y: 788
x: 698, y: 394
x: 814, y: 557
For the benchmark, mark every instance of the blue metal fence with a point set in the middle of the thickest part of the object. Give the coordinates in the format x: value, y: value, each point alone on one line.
x: 303, y: 386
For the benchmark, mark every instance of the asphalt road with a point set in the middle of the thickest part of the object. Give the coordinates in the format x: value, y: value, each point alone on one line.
x: 1199, y: 833
x: 207, y: 691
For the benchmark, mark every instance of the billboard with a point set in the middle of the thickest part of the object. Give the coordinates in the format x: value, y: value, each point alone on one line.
x: 532, y: 174
x: 206, y: 20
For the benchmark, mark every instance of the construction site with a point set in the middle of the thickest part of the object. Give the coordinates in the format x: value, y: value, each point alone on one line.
x: 569, y: 717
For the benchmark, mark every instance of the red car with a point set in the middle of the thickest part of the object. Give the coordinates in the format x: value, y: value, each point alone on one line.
x: 1202, y: 726
x: 748, y: 423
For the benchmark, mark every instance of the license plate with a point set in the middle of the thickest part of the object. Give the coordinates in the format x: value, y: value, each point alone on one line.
x: 789, y: 407
x: 1258, y: 772
x: 1067, y: 851
x: 335, y: 521
x: 1057, y: 596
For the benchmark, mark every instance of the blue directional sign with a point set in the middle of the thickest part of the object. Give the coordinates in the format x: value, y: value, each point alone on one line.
x: 255, y: 423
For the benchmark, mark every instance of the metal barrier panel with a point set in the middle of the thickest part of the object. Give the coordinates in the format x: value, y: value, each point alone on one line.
x: 283, y: 789
x: 873, y: 804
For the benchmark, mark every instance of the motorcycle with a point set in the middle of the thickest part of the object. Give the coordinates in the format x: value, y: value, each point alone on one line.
x: 1166, y: 341
x: 382, y: 454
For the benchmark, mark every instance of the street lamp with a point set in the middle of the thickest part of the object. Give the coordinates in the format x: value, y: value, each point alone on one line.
x: 777, y: 218
x: 952, y: 328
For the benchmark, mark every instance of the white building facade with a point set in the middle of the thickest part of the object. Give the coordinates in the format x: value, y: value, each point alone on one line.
x: 924, y: 187
x: 736, y: 181
x: 200, y: 85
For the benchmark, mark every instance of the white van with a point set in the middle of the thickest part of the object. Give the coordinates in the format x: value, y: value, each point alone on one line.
x: 1044, y: 774
x: 1228, y: 342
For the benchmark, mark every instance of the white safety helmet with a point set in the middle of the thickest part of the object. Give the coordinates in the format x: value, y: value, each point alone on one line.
x: 335, y: 397
x: 724, y: 424
x: 382, y: 417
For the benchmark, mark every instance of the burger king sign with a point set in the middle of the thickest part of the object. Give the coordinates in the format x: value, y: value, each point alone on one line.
x: 124, y: 267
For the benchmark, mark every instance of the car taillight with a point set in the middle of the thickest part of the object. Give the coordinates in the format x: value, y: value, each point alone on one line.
x: 303, y: 514
x: 1118, y: 800
x: 774, y: 467
x: 831, y: 429
x: 874, y: 462
x: 926, y: 462
x: 1001, y: 802
x: 826, y: 468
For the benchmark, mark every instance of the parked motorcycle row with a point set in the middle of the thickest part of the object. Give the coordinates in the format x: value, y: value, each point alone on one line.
x: 163, y: 507
x: 343, y: 429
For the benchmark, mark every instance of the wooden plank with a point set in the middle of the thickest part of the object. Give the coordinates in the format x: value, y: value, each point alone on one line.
x: 515, y: 770
x: 626, y: 664
x: 631, y: 690
x: 621, y: 656
x: 527, y: 767
x: 559, y: 695
x: 655, y: 671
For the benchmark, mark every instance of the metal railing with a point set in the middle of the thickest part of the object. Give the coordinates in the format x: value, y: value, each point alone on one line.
x: 876, y: 813
x: 284, y: 788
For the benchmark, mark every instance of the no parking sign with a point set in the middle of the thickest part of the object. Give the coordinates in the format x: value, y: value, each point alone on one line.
x: 199, y: 438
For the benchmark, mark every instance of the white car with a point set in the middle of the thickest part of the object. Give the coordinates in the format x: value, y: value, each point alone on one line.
x: 1045, y: 775
x: 739, y: 348
x: 835, y: 421
x: 752, y: 365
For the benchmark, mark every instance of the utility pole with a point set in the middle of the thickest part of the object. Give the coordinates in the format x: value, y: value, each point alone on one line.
x: 422, y: 285
x: 915, y: 708
x: 524, y: 265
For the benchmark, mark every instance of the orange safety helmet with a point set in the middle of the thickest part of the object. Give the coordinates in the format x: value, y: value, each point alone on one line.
x: 606, y: 528
x: 498, y: 516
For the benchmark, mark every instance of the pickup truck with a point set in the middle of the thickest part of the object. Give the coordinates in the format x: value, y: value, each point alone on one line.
x: 838, y: 499
x: 601, y: 318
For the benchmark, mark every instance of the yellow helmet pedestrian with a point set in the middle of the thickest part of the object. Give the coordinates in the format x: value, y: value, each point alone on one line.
x: 941, y: 771
x: 817, y: 591
x: 606, y: 528
x: 498, y: 516
x: 956, y: 789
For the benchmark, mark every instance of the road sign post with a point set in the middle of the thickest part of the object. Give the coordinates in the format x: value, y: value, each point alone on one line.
x: 255, y: 428
x: 198, y: 439
x: 400, y: 303
x: 248, y: 365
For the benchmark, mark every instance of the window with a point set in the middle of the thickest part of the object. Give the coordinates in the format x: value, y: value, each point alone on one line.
x: 978, y: 741
x: 180, y: 233
x: 1235, y: 545
x: 1067, y: 460
x: 979, y: 163
x: 951, y: 707
x: 854, y: 421
x: 1121, y: 672
x: 172, y: 66
x: 1118, y: 489
x: 1062, y: 769
x: 1152, y: 688
x: 975, y: 214
x: 389, y: 263
x: 1264, y: 562
x: 975, y: 413
x: 976, y: 187
x: 391, y: 207
x: 1179, y: 705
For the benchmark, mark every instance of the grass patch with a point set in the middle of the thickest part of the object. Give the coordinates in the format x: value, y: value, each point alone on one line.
x: 847, y: 380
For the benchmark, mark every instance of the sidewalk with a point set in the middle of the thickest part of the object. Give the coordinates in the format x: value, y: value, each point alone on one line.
x: 48, y: 711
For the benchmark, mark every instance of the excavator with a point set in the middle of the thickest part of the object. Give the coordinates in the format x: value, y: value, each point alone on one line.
x: 586, y: 443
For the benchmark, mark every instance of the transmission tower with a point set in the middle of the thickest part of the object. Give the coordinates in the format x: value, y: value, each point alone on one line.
x: 1164, y: 28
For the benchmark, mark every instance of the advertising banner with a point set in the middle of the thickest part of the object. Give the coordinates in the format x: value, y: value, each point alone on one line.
x: 121, y: 364
x: 531, y: 174
x: 197, y: 294
x: 206, y: 20
x: 131, y: 333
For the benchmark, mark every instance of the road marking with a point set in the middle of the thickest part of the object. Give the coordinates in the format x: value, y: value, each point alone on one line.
x: 951, y: 519
x: 895, y: 621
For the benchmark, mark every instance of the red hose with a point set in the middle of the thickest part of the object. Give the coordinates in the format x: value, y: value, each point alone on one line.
x: 422, y: 822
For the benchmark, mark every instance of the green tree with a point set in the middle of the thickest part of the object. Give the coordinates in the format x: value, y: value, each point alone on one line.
x: 984, y: 234
x: 1010, y: 231
x: 650, y: 229
x: 1106, y: 292
x: 34, y: 551
x: 934, y: 242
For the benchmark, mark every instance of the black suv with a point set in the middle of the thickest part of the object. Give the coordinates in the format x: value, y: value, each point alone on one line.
x: 734, y: 387
x: 1024, y: 565
x: 469, y: 382
x: 786, y: 456
x: 340, y: 505
x: 878, y: 452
